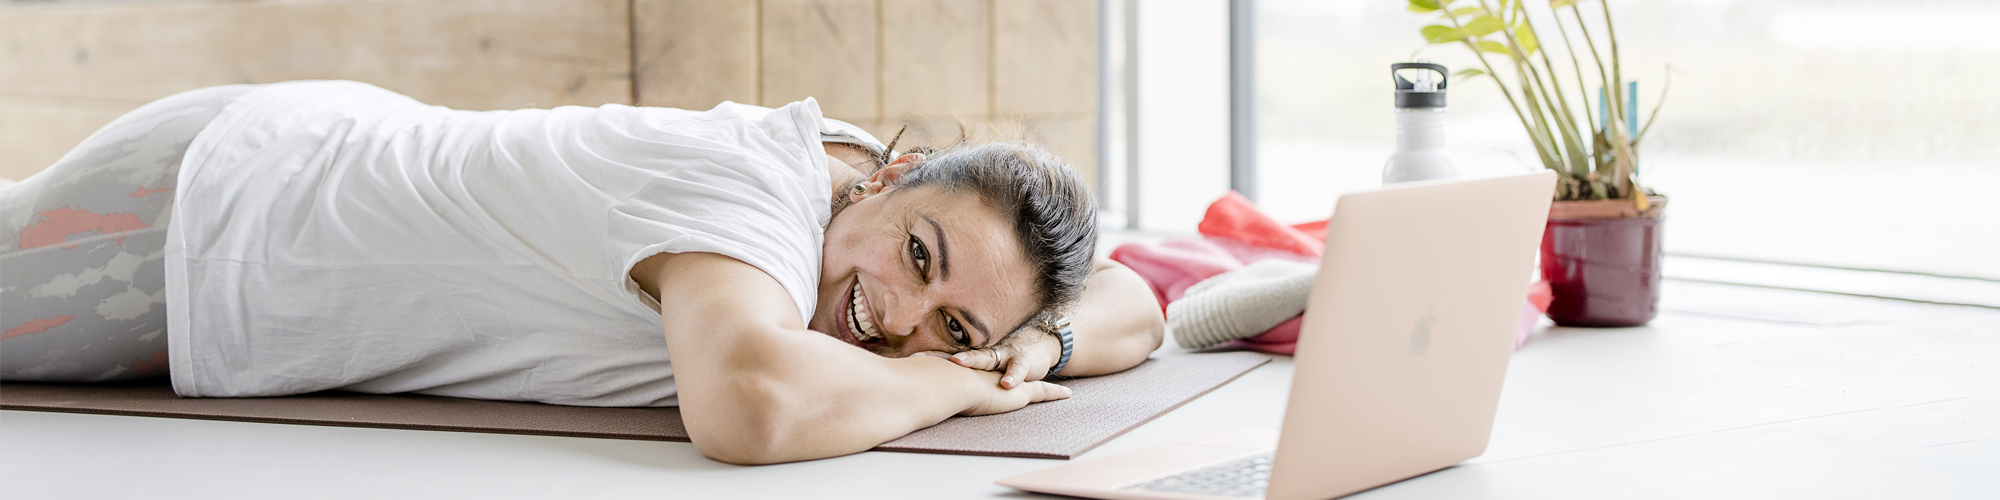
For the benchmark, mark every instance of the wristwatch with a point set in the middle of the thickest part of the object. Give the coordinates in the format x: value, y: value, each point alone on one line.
x: 1060, y: 328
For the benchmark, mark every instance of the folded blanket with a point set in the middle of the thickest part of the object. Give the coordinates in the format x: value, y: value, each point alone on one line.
x: 1241, y: 303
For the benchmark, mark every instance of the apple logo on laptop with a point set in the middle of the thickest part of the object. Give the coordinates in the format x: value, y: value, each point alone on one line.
x: 1420, y: 335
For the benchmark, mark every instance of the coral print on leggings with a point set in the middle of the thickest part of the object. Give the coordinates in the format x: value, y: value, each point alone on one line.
x: 82, y: 274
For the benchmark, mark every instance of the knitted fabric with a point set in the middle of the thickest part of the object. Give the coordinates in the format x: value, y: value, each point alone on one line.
x: 1240, y: 303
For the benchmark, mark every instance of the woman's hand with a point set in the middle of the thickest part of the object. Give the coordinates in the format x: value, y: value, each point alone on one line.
x: 1003, y: 401
x: 1116, y: 326
x: 1011, y: 395
x: 1026, y: 357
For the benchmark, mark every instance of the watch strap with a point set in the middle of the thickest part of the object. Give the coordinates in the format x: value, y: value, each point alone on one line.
x: 1068, y: 338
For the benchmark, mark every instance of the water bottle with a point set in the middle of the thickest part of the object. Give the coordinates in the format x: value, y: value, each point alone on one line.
x: 1420, y: 153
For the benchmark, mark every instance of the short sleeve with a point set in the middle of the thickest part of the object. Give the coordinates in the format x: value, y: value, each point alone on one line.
x: 831, y: 130
x: 758, y: 193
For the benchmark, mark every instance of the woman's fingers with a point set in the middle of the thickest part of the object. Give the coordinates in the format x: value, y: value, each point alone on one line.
x: 1003, y: 401
x: 1050, y: 392
x: 1033, y: 356
x: 980, y: 359
x: 1017, y: 371
x: 1018, y: 366
x: 1022, y: 359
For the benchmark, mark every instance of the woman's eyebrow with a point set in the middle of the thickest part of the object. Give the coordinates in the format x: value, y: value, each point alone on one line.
x: 944, y: 270
x: 944, y: 248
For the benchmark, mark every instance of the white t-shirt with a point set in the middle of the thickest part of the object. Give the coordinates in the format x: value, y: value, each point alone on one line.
x: 335, y: 235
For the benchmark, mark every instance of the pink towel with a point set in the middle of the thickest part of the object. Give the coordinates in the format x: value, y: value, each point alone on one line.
x: 1236, y: 234
x: 1235, y: 217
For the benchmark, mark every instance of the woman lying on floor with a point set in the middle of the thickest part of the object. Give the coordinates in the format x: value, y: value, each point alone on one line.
x: 818, y: 295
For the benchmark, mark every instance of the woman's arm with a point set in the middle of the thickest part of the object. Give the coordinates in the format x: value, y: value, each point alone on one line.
x: 756, y: 387
x: 1115, y: 326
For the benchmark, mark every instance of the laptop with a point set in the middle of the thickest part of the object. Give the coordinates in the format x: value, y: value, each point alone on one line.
x: 1399, y: 364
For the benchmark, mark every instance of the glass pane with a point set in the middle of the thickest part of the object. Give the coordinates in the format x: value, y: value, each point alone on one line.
x: 1849, y: 133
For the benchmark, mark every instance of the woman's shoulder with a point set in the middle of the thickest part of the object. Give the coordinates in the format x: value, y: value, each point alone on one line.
x: 828, y: 129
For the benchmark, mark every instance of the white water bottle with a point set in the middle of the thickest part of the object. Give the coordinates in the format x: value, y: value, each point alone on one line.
x: 1420, y: 153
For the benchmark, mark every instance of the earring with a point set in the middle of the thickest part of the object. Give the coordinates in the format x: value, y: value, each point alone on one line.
x: 858, y: 190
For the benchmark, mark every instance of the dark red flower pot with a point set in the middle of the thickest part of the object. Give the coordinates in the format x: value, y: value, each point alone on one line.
x: 1603, y: 270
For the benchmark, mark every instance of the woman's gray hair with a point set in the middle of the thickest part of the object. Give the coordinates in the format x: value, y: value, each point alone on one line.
x: 1050, y: 206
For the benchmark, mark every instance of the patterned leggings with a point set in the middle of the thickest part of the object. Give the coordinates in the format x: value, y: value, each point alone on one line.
x: 82, y: 259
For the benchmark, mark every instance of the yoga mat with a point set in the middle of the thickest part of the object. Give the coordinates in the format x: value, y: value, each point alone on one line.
x: 1099, y: 409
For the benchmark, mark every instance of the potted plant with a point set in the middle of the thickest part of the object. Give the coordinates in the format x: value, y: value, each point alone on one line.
x: 1601, y: 251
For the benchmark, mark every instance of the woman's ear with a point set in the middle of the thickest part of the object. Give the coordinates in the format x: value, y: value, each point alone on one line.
x: 909, y: 158
x: 889, y: 176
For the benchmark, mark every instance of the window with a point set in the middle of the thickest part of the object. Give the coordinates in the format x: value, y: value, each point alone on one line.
x: 1859, y: 133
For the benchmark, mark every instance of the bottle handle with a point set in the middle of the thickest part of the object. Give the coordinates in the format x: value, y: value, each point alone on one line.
x: 1402, y: 84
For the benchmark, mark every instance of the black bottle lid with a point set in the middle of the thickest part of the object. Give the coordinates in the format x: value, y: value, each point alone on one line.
x: 1408, y: 96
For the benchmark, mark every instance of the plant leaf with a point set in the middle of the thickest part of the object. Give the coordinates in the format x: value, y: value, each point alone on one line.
x: 1526, y: 36
x: 1423, y: 5
x: 1441, y: 34
x: 1467, y: 10
x: 1467, y: 73
x: 1494, y: 47
x: 1484, y: 25
x: 1557, y: 4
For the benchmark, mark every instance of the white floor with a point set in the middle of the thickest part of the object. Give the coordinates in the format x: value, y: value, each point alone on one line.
x: 1896, y: 399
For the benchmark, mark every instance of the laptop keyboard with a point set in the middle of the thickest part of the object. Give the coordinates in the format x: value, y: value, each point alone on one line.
x: 1242, y: 478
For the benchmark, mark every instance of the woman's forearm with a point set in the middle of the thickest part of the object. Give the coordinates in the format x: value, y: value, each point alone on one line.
x: 804, y: 396
x: 1116, y: 324
x: 756, y: 387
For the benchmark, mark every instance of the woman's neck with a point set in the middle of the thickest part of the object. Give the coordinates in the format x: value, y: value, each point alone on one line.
x: 845, y: 166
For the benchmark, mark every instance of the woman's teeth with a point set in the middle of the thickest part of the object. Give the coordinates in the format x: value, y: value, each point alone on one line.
x: 857, y: 317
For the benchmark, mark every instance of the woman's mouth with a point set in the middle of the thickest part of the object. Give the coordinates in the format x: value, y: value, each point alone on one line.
x: 860, y: 323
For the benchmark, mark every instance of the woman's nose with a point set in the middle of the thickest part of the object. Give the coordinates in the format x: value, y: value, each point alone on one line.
x: 904, y: 311
x: 903, y: 320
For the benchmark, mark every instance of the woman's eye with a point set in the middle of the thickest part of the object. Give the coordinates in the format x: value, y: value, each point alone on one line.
x: 920, y: 256
x: 957, y: 331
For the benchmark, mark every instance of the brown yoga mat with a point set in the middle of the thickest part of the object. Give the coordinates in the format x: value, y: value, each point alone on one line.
x: 1100, y: 408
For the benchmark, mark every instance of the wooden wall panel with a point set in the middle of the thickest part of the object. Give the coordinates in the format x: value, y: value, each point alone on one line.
x: 936, y: 59
x: 1045, y: 56
x: 938, y: 131
x: 694, y: 54
x: 1002, y: 69
x: 461, y: 53
x: 474, y: 54
x: 35, y: 132
x: 1073, y: 136
x: 825, y: 49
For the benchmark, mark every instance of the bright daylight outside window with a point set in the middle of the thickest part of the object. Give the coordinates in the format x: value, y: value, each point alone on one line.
x: 1860, y: 133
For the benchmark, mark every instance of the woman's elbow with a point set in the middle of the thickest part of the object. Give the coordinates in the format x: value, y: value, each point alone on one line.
x: 1151, y: 333
x: 765, y: 410
x: 1141, y: 339
x: 748, y: 423
x: 739, y: 409
x: 743, y: 452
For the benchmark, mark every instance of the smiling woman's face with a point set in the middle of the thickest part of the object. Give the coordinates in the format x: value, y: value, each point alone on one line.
x: 921, y: 269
